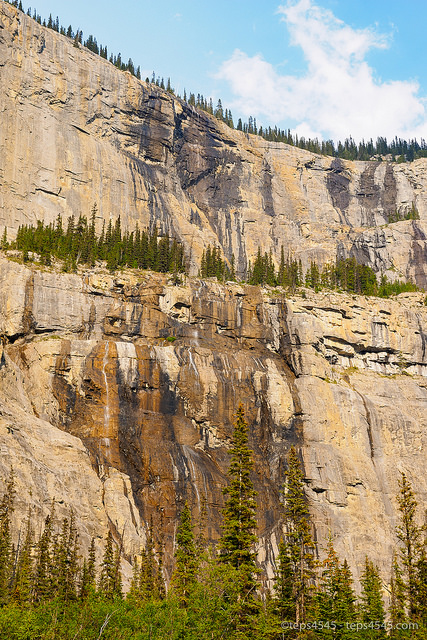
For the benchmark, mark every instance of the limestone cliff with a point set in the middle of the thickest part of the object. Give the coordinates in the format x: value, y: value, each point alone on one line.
x: 75, y: 130
x: 117, y: 396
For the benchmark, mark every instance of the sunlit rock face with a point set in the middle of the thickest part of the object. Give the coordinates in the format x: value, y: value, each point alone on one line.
x: 118, y: 394
x: 75, y: 131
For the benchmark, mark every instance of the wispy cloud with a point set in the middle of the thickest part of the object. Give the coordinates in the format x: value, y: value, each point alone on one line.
x: 338, y: 95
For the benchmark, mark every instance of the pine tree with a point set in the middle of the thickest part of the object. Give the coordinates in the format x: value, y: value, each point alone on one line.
x: 43, y: 568
x: 6, y: 549
x: 88, y: 574
x: 185, y: 575
x: 298, y: 538
x: 239, y: 524
x: 409, y: 536
x: 283, y: 603
x: 22, y: 587
x: 108, y: 579
x: 372, y: 604
x: 4, y: 243
x: 397, y: 597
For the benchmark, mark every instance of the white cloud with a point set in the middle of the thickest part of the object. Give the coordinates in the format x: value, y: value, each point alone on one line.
x: 338, y: 95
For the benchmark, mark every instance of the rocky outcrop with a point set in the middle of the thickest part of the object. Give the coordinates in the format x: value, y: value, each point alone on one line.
x: 75, y: 130
x: 122, y: 389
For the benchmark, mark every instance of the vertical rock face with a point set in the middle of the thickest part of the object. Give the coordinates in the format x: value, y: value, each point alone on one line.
x: 133, y: 383
x: 117, y: 394
x: 75, y: 130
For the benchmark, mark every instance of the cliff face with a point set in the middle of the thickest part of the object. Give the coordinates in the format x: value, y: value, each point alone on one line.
x: 118, y: 395
x: 74, y: 130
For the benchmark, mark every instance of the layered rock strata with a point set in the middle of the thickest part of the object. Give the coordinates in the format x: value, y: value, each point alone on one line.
x: 118, y: 394
x: 74, y: 130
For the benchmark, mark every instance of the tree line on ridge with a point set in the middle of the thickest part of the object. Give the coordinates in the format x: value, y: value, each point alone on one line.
x: 398, y: 149
x: 80, y: 244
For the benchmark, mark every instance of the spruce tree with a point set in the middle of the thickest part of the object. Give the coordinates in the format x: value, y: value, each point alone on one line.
x: 372, y: 604
x: 65, y: 561
x: 23, y: 583
x: 422, y: 586
x: 239, y: 524
x: 299, y: 546
x: 110, y: 578
x: 88, y: 574
x: 409, y: 536
x: 334, y: 601
x: 283, y: 602
x: 4, y: 243
x: 43, y: 568
x: 397, y: 612
x: 185, y: 575
x: 134, y: 594
x: 6, y: 549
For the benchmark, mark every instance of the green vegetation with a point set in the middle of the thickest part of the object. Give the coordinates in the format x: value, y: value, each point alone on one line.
x: 399, y: 150
x: 345, y: 275
x: 411, y: 214
x: 80, y: 244
x: 212, y: 265
x: 49, y: 589
x: 237, y: 544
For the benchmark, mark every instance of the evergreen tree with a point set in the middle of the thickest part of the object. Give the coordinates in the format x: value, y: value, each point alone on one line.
x: 22, y: 586
x: 299, y: 546
x: 372, y: 604
x: 409, y: 536
x: 185, y: 575
x: 335, y: 599
x: 239, y: 524
x: 422, y: 583
x: 283, y: 602
x: 88, y: 574
x: 43, y: 568
x: 6, y: 549
x: 397, y: 611
x: 110, y: 577
x: 65, y: 565
x: 4, y: 243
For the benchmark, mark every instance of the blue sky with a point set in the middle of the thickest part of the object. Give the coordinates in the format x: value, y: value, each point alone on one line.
x: 327, y: 68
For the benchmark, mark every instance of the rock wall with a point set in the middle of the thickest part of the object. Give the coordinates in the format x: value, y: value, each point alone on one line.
x: 75, y: 130
x: 117, y: 396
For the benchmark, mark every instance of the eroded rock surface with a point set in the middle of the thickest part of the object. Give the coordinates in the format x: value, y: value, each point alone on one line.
x: 75, y: 130
x: 118, y: 394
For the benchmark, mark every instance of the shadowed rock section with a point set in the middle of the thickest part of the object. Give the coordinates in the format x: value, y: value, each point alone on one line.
x: 75, y: 130
x: 141, y: 380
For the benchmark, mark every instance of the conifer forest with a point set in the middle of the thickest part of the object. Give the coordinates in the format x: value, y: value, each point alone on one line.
x: 48, y: 588
x: 174, y: 352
